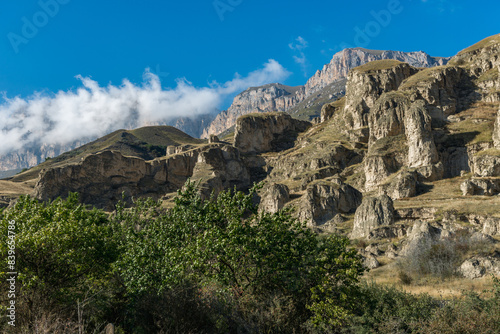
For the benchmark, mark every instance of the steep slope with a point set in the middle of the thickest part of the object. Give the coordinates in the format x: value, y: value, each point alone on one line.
x: 306, y: 101
x: 267, y: 98
x: 36, y: 153
x: 145, y: 143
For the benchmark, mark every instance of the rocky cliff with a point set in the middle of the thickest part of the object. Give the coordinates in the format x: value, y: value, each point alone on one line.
x: 326, y: 84
x: 410, y: 156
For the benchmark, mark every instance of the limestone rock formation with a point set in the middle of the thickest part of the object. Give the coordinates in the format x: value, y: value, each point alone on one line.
x: 277, y: 97
x: 477, y: 267
x: 267, y: 98
x: 496, y: 131
x: 365, y: 84
x: 347, y: 59
x: 324, y: 200
x: 480, y: 186
x: 219, y: 168
x: 487, y: 163
x: 265, y: 132
x: 372, y: 213
x: 274, y: 198
x: 404, y: 185
x: 101, y: 178
x: 420, y: 236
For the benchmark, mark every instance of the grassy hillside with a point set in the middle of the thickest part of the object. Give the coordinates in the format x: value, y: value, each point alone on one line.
x: 147, y: 143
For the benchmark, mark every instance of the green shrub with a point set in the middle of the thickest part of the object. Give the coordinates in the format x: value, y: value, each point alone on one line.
x: 270, y: 263
x: 63, y: 254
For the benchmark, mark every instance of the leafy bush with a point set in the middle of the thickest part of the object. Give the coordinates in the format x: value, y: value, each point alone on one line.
x: 388, y: 310
x: 63, y: 255
x: 251, y: 256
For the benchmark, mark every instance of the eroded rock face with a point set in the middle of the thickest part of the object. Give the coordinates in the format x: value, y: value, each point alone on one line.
x: 219, y: 168
x: 480, y: 186
x: 324, y: 200
x: 372, y: 213
x: 274, y: 198
x: 365, y: 86
x: 265, y: 132
x: 101, y: 178
x: 421, y: 148
x: 438, y: 88
x: 496, y: 131
x: 347, y: 59
x: 487, y: 164
x: 267, y: 98
x: 477, y: 267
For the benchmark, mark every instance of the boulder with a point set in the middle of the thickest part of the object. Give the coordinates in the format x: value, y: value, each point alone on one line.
x: 487, y: 163
x: 480, y: 186
x: 372, y: 213
x: 370, y: 262
x: 404, y: 185
x: 477, y: 267
x: 491, y: 226
x: 420, y: 236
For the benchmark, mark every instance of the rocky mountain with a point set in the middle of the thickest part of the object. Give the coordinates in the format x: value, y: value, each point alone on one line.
x: 305, y: 101
x: 26, y: 157
x: 409, y: 158
x: 267, y: 98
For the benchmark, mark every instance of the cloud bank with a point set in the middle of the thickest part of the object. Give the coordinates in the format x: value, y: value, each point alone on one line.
x: 93, y: 110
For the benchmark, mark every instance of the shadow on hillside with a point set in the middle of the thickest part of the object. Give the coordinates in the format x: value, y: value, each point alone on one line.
x: 423, y: 188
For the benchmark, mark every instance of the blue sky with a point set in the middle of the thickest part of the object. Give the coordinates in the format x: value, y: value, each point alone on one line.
x: 111, y: 40
x: 73, y: 68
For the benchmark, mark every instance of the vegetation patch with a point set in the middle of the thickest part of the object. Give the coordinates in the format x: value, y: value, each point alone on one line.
x: 422, y: 77
x: 487, y: 42
x: 378, y: 65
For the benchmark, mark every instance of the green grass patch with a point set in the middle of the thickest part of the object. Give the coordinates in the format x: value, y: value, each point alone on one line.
x: 491, y: 75
x: 470, y: 132
x: 378, y: 65
x: 422, y: 76
x: 487, y: 42
x: 491, y: 152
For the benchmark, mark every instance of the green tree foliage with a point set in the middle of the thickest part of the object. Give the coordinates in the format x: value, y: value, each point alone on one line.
x: 224, y: 241
x: 63, y: 252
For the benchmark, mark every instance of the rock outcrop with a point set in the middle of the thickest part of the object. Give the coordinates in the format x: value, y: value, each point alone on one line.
x: 325, y: 200
x: 477, y: 267
x: 496, y: 131
x: 487, y: 163
x: 274, y: 198
x: 258, y: 133
x: 277, y: 97
x: 267, y: 98
x: 421, y: 235
x: 347, y: 59
x: 101, y: 178
x: 372, y: 213
x: 480, y: 186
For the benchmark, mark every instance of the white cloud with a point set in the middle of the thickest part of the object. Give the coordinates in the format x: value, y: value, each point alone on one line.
x: 300, y: 58
x: 93, y: 110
